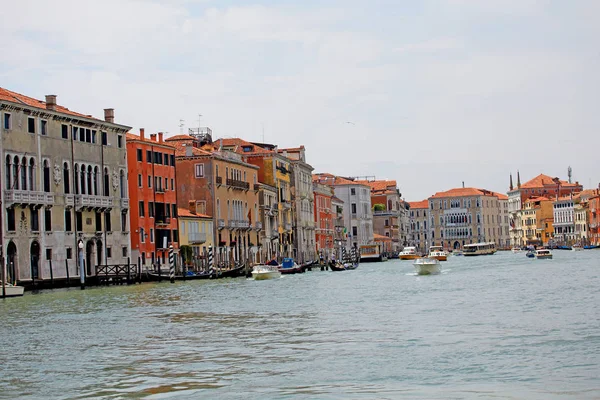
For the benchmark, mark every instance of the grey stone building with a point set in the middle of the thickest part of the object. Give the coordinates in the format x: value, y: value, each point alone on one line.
x: 64, y: 189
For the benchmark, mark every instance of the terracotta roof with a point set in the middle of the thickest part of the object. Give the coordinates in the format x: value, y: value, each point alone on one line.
x: 381, y: 237
x: 184, y: 212
x: 500, y: 196
x: 291, y: 149
x: 461, y: 192
x: 337, y: 199
x: 537, y: 198
x: 179, y: 137
x: 379, y: 185
x: 419, y: 204
x: 544, y: 180
x: 131, y: 136
x: 239, y: 144
x: 13, y: 97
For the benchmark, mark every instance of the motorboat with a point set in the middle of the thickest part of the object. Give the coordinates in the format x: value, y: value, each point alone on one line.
x: 542, y: 254
x: 11, y: 290
x: 438, y: 253
x: 479, y: 249
x: 530, y: 254
x: 289, y: 266
x: 457, y: 253
x: 516, y: 250
x: 261, y: 272
x: 409, y: 253
x: 427, y: 266
x: 576, y: 247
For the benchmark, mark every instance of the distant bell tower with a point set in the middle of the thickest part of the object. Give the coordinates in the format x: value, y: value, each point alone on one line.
x: 569, y: 173
x: 518, y: 179
x: 511, y: 183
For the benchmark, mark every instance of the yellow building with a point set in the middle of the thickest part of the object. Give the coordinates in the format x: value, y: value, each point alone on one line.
x: 537, y: 217
x: 195, y: 237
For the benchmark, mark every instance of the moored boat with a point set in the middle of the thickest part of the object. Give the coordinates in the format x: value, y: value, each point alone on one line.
x: 427, y: 266
x: 438, y: 253
x: 516, y: 249
x: 290, y: 267
x: 11, y: 290
x: 576, y: 247
x: 542, y: 254
x: 409, y: 253
x: 262, y: 272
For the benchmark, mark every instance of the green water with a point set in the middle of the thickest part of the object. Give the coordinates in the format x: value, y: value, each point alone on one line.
x: 500, y: 326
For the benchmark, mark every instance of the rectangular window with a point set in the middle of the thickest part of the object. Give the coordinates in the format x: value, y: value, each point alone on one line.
x: 10, y: 219
x: 43, y: 127
x: 35, y: 220
x: 104, y: 137
x: 352, y: 191
x: 107, y: 222
x: 142, y: 235
x: 109, y: 252
x: 48, y: 220
x: 98, y: 221
x: 78, y: 221
x: 175, y: 235
x: 199, y: 168
x: 142, y: 211
x: 172, y: 157
x: 148, y: 156
x: 139, y: 154
x: 31, y: 125
x: 150, y: 209
x: 174, y: 210
x: 166, y: 184
x: 124, y: 221
x: 124, y: 250
x: 48, y: 254
x: 7, y: 121
x: 140, y: 180
x: 94, y: 136
x: 69, y: 253
x: 353, y: 208
x: 151, y: 235
x: 81, y: 134
x: 149, y: 181
x: 172, y: 184
x: 120, y: 141
x: 354, y: 231
x: 88, y: 135
x: 68, y: 222
x: 74, y: 132
x: 64, y: 131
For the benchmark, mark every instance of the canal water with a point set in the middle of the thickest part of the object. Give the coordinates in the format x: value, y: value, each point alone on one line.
x: 492, y: 327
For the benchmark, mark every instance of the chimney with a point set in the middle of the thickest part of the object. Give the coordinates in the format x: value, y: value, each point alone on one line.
x: 153, y: 137
x: 192, y: 206
x: 188, y: 150
x: 142, y: 135
x: 160, y: 137
x: 109, y: 115
x: 51, y: 102
x: 463, y: 183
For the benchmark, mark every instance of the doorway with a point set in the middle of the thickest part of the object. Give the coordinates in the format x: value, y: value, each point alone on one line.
x: 35, y: 260
x: 89, y: 250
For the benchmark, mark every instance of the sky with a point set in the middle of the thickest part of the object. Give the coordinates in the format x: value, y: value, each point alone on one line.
x: 431, y: 93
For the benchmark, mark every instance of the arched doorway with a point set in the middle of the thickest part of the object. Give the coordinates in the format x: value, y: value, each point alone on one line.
x: 11, y: 259
x: 35, y: 260
x: 89, y: 251
x: 99, y: 252
x: 456, y: 245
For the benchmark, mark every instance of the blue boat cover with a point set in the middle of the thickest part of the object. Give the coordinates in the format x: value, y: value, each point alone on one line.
x: 288, y: 263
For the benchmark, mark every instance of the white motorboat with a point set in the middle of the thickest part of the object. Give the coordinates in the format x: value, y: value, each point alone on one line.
x: 427, y: 266
x: 409, y: 253
x: 438, y: 253
x: 576, y: 247
x: 542, y: 254
x: 516, y: 249
x: 11, y: 290
x: 262, y: 272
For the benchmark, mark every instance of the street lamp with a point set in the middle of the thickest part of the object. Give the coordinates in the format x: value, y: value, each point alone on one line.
x: 81, y: 267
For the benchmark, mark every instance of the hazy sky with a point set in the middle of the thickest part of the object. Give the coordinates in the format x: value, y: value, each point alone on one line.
x: 438, y: 92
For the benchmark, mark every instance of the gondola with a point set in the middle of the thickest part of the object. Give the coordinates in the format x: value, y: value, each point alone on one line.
x: 154, y: 277
x: 232, y: 273
x: 334, y: 266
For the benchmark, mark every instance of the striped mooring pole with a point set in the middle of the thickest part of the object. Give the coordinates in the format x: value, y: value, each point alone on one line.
x: 171, y: 264
x: 344, y: 255
x: 211, y: 269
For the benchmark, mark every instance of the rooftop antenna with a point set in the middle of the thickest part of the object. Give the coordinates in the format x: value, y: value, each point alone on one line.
x: 569, y: 173
x: 181, y: 125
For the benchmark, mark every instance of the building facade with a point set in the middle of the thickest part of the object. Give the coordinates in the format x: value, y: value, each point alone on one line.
x: 153, y: 198
x: 467, y: 215
x: 418, y: 211
x: 64, y: 189
x: 301, y: 191
x: 325, y: 215
x: 221, y: 185
x: 195, y: 237
x: 269, y: 218
x: 594, y: 218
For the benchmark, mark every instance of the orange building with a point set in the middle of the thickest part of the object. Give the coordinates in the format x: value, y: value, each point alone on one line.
x: 323, y: 211
x: 594, y: 218
x: 153, y: 197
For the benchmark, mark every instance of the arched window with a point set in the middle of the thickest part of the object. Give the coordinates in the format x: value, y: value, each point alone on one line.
x: 16, y: 167
x: 106, y: 181
x: 122, y: 184
x: 46, y: 176
x: 95, y: 181
x: 31, y: 174
x: 89, y: 180
x: 76, y: 177
x: 82, y: 179
x: 24, y: 174
x: 66, y: 180
x: 8, y: 173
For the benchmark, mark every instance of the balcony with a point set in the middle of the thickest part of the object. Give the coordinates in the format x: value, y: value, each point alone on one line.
x: 163, y: 221
x: 218, y: 180
x: 286, y: 204
x: 232, y: 224
x: 196, y: 237
x: 124, y: 204
x: 235, y: 184
x: 287, y: 226
x: 243, y: 224
x: 28, y: 197
x: 87, y: 201
x: 258, y: 226
x: 221, y: 223
x: 256, y: 187
x: 159, y: 190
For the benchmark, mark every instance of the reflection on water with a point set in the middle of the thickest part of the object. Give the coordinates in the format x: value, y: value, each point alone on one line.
x: 501, y: 326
